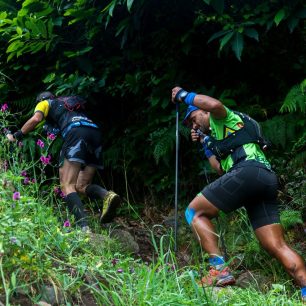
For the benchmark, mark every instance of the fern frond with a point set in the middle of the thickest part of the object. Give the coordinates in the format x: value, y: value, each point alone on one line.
x: 295, y: 99
x: 163, y: 140
x: 280, y: 130
x: 25, y: 105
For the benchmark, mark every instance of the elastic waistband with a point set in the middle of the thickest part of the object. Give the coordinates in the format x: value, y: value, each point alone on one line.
x: 252, y: 163
x: 77, y: 124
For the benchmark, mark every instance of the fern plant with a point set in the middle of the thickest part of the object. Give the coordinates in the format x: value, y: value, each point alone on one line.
x: 296, y: 99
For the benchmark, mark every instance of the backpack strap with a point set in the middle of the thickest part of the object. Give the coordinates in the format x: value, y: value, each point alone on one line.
x: 249, y: 133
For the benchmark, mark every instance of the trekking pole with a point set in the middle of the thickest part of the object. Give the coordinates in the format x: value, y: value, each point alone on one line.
x: 176, y: 176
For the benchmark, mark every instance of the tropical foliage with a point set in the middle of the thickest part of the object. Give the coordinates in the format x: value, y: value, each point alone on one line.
x: 124, y: 56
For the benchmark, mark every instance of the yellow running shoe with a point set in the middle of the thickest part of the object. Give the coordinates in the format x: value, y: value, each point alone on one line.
x: 110, y: 204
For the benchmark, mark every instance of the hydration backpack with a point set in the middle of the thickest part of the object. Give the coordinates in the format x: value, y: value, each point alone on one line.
x: 72, y: 103
x: 250, y: 133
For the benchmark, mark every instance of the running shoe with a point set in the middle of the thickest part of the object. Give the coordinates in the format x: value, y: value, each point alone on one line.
x: 110, y: 204
x: 218, y: 278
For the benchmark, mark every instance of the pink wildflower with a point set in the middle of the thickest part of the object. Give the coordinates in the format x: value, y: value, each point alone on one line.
x: 24, y: 173
x: 51, y: 136
x: 40, y: 143
x: 45, y: 160
x: 4, y: 107
x: 56, y: 190
x: 67, y: 223
x: 16, y: 196
x: 26, y: 181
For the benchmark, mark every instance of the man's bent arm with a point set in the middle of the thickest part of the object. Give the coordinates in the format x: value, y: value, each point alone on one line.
x: 32, y: 123
x: 206, y: 103
x: 209, y: 104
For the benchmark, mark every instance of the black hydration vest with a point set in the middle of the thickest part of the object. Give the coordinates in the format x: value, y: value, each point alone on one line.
x: 63, y: 119
x: 250, y: 133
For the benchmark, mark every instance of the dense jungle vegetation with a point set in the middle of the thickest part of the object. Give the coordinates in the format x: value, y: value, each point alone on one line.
x: 125, y: 56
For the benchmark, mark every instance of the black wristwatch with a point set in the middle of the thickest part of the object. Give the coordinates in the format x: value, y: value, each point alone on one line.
x: 18, y: 135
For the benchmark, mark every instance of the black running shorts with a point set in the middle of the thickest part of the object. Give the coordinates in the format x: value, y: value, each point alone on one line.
x: 83, y: 145
x: 249, y: 186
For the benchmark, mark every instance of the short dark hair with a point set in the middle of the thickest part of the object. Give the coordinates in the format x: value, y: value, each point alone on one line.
x: 44, y: 96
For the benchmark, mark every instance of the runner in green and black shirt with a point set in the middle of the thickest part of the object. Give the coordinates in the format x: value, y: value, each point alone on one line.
x: 247, y: 181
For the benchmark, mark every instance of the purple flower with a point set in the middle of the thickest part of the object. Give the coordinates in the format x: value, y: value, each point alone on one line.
x: 119, y: 271
x: 51, y: 136
x: 26, y: 181
x: 33, y: 180
x: 171, y: 266
x: 4, y: 107
x: 56, y: 190
x: 62, y: 195
x: 45, y: 160
x: 115, y: 261
x: 20, y: 144
x: 40, y: 143
x: 67, y: 223
x: 24, y: 173
x: 16, y: 196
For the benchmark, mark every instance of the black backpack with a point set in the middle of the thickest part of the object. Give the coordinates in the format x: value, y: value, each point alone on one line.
x: 72, y: 103
x: 250, y: 133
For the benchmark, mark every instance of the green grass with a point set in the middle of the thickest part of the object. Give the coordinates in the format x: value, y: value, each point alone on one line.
x: 36, y: 250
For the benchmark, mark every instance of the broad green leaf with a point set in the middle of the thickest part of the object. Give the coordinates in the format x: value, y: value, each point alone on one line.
x: 217, y: 35
x: 49, y: 78
x: 10, y: 56
x: 50, y: 27
x: 14, y: 46
x: 110, y: 8
x: 44, y: 12
x: 129, y: 4
x: 237, y: 45
x: 19, y: 30
x: 42, y: 28
x: 23, y: 12
x: 251, y: 32
x: 32, y: 26
x: 279, y: 16
x: 35, y: 47
x: 3, y: 15
x: 225, y: 40
x: 27, y: 2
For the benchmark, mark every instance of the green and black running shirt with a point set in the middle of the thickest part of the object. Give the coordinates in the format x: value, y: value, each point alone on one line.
x: 221, y: 128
